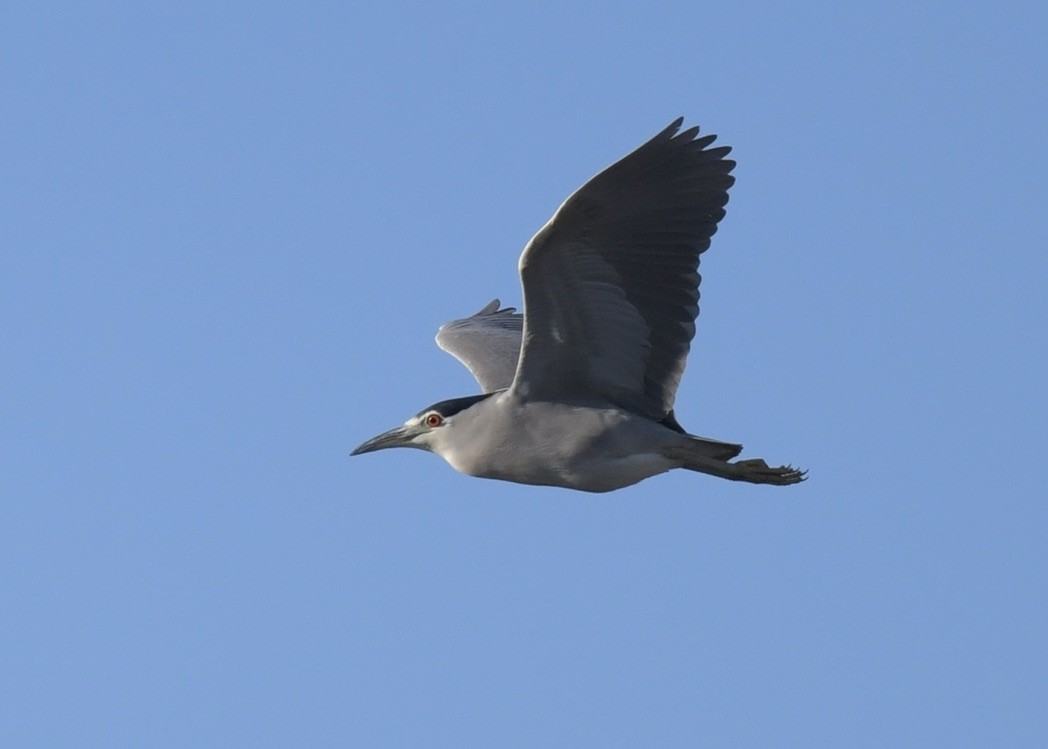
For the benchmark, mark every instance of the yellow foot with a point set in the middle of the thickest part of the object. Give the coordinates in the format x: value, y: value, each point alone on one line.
x: 756, y: 471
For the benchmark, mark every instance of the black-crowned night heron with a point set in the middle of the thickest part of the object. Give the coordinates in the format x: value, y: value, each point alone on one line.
x: 579, y: 390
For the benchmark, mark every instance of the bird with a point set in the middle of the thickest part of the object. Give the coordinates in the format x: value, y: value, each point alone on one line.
x: 578, y: 391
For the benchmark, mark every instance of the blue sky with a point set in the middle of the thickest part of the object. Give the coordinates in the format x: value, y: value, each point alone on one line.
x: 230, y: 231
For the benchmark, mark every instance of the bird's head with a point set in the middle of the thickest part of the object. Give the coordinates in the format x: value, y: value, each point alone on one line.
x: 425, y: 429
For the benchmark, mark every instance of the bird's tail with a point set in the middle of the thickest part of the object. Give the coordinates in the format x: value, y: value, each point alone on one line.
x: 707, y: 449
x: 711, y: 457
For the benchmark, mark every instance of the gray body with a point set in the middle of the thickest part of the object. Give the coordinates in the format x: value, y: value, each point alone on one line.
x: 515, y: 440
x: 579, y: 391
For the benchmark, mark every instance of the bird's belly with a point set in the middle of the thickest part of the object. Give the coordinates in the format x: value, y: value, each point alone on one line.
x: 616, y: 473
x: 602, y: 475
x: 602, y: 450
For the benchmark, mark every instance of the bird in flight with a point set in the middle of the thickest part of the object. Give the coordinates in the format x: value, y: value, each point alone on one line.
x: 578, y: 391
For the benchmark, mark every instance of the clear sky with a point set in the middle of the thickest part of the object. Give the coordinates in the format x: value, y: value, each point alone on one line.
x: 229, y: 233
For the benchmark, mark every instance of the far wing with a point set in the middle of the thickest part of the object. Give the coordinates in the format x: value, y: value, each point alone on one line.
x: 487, y: 343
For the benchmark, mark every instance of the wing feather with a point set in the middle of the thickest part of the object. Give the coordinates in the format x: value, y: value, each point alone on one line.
x: 611, y: 283
x: 487, y: 343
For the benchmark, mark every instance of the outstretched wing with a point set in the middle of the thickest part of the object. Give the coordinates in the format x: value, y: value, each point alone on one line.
x: 487, y: 343
x: 611, y: 283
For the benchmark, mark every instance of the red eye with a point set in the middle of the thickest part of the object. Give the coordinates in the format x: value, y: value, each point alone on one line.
x: 434, y: 420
